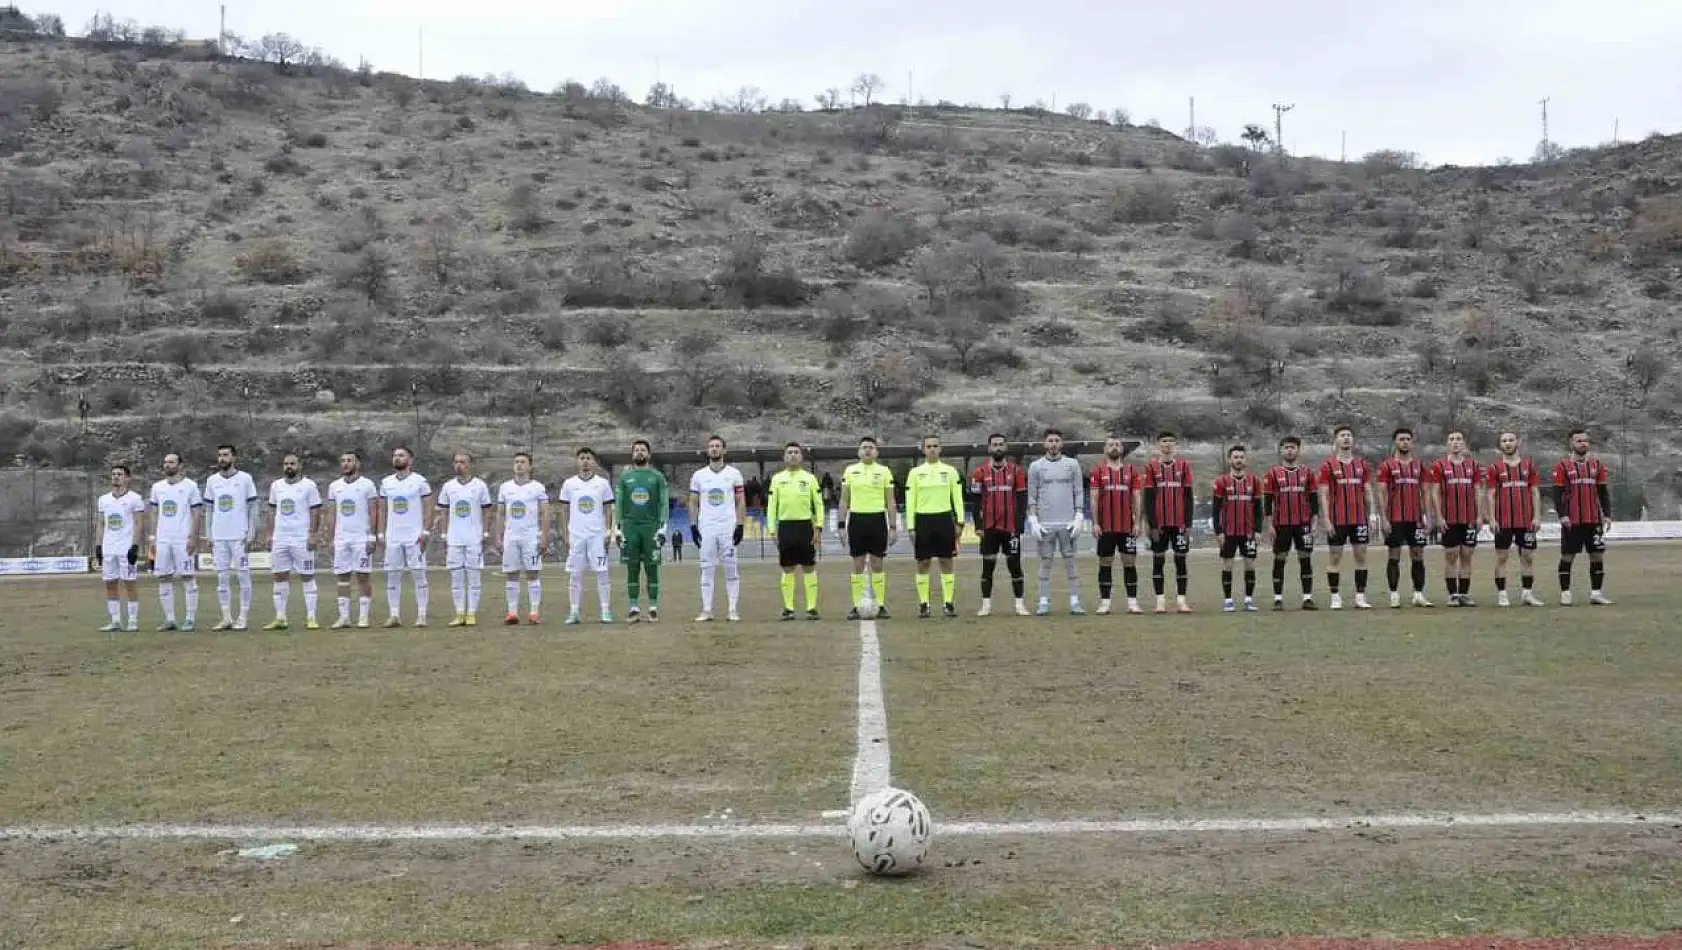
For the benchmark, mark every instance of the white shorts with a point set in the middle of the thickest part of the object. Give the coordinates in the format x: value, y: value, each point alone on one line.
x: 717, y: 548
x: 458, y: 556
x: 229, y: 556
x: 521, y: 554
x: 353, y: 557
x: 403, y: 554
x: 172, y: 560
x: 293, y: 557
x: 587, y: 554
x: 116, y: 567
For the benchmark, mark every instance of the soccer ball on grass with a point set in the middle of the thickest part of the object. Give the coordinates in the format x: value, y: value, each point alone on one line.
x: 867, y: 607
x: 891, y: 830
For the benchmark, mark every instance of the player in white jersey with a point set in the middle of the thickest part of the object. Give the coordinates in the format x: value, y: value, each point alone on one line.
x: 406, y: 518
x: 586, y: 511
x: 522, y: 524
x: 232, y: 497
x: 353, y: 512
x: 177, y: 507
x: 717, y: 511
x: 122, y: 523
x: 295, y: 526
x: 460, y: 517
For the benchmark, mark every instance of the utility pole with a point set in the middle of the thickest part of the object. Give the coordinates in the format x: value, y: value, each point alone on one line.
x: 1544, y: 126
x: 222, y: 33
x: 1343, y: 148
x: 910, y: 87
x: 1279, y: 126
x: 420, y: 53
x: 1191, y: 120
x: 1615, y: 139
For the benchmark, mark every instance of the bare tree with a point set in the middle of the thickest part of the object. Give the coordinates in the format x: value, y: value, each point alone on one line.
x: 1120, y: 117
x: 1004, y: 101
x: 828, y: 100
x: 867, y: 85
x: 1256, y: 136
x: 746, y: 100
x: 661, y: 96
x: 281, y: 49
x: 606, y: 90
x: 1079, y: 110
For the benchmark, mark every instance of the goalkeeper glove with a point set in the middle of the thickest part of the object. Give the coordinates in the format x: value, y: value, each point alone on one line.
x: 736, y: 536
x: 695, y: 534
x: 1034, y: 528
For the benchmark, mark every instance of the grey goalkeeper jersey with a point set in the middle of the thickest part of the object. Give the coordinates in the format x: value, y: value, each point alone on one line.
x: 1054, y: 490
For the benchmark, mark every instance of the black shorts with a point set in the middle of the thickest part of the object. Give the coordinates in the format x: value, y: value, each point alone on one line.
x: 1111, y: 543
x: 936, y: 536
x: 1349, y: 534
x: 1506, y: 538
x: 1177, y: 538
x: 1406, y: 534
x: 1582, y: 537
x: 1239, y: 545
x: 794, y: 545
x: 994, y: 541
x: 1299, y: 536
x: 1460, y: 536
x: 867, y: 534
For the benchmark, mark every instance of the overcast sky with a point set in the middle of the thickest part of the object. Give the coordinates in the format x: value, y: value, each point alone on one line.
x: 1458, y: 81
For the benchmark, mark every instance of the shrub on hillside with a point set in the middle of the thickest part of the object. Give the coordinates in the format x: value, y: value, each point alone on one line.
x: 879, y: 239
x: 743, y: 281
x: 1151, y: 202
x: 271, y: 262
x: 1658, y: 230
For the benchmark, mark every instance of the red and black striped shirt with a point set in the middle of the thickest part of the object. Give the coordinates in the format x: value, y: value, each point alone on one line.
x: 1113, y: 487
x: 1579, y: 481
x: 1169, y: 481
x: 1346, y: 490
x: 1237, y: 504
x: 1512, y: 485
x: 1404, y: 489
x: 998, y: 490
x: 1457, y: 484
x: 1290, y: 488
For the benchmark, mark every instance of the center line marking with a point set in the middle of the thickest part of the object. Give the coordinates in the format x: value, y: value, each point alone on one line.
x: 870, y: 765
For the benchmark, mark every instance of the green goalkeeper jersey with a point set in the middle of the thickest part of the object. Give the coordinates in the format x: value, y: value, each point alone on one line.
x: 642, y: 498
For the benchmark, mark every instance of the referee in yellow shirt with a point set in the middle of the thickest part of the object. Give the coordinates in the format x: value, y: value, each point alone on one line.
x: 868, y: 522
x: 794, y: 517
x: 934, y: 513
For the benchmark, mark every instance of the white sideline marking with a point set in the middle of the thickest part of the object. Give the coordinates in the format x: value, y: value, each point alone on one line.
x: 870, y: 765
x: 960, y: 829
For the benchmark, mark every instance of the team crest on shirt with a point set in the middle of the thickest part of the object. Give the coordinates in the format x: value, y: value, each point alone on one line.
x: 347, y: 507
x: 400, y: 506
x: 640, y: 496
x: 587, y: 505
x: 169, y: 508
x: 288, y: 507
x: 517, y: 509
x: 463, y: 509
x: 715, y: 496
x: 224, y: 503
x: 114, y: 522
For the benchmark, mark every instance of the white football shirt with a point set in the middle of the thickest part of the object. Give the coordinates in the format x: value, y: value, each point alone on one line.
x: 175, y: 502
x: 120, y: 516
x: 230, y: 519
x: 718, y: 492
x: 466, y: 503
x: 293, y: 504
x: 522, y: 506
x: 588, y: 501
x: 405, y: 515
x: 354, y: 501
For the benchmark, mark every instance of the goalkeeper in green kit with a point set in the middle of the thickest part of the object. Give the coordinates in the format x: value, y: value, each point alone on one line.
x: 642, y: 509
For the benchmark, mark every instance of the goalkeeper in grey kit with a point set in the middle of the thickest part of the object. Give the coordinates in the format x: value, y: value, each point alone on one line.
x: 1056, y: 502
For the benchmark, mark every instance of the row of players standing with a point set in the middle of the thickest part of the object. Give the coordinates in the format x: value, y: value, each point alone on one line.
x: 1410, y: 500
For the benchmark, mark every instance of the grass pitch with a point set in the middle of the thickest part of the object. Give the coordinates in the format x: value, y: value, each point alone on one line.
x: 1003, y: 718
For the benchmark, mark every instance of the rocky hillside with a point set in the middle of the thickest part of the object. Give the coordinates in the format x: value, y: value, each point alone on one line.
x: 193, y: 250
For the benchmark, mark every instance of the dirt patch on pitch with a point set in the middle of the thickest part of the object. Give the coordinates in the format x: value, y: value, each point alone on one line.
x: 1670, y: 941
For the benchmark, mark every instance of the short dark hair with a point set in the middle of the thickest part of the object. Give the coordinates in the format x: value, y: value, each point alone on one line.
x: 1236, y: 448
x: 1167, y: 434
x: 292, y: 455
x: 460, y: 453
x: 793, y: 445
x: 176, y: 454
x: 1000, y: 436
x: 523, y: 455
x: 1455, y: 432
x: 1511, y: 432
x: 400, y: 447
x: 869, y: 439
x: 1576, y: 432
x: 229, y: 446
x: 119, y: 467
x: 644, y: 443
x: 715, y: 437
x: 929, y: 436
x: 1400, y: 431
x: 1291, y: 440
x: 584, y: 450
x: 1052, y: 431
x: 1340, y: 430
x: 353, y: 453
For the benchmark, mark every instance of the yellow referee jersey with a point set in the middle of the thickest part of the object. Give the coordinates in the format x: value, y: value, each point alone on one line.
x: 933, y: 488
x: 867, y: 485
x: 794, y: 496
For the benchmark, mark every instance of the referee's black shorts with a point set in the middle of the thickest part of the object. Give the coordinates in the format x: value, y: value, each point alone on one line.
x: 936, y: 536
x: 867, y: 534
x: 794, y: 544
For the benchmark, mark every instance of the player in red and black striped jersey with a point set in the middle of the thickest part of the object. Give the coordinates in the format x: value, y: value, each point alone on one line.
x: 1291, y: 503
x: 1115, y: 495
x: 1346, y: 503
x: 999, y: 491
x: 1402, y: 515
x: 1456, y: 482
x: 1584, y: 503
x: 1168, y: 496
x: 1238, y: 515
x: 1513, y: 500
